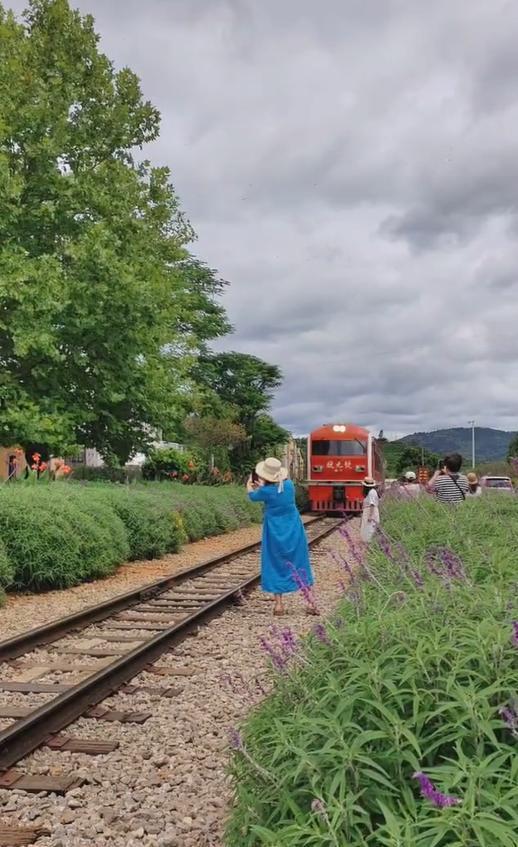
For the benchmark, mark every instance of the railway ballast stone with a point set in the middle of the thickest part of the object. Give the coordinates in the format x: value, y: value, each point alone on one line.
x: 167, y: 784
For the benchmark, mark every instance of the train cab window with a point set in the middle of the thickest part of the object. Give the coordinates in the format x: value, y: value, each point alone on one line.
x: 339, y: 448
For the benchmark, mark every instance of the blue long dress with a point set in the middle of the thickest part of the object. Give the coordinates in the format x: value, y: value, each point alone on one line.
x: 285, y: 565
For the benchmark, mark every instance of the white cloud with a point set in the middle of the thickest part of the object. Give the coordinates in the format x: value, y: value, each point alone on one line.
x: 351, y: 168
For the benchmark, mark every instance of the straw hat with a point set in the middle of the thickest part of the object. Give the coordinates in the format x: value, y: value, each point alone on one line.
x: 472, y: 478
x: 369, y: 482
x: 271, y: 470
x: 410, y: 476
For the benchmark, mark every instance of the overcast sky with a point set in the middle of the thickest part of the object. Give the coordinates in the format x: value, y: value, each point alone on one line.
x: 351, y: 167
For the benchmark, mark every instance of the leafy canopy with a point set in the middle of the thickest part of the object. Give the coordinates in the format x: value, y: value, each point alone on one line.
x: 101, y: 306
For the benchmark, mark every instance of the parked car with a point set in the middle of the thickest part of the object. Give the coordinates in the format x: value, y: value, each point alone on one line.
x: 498, y: 483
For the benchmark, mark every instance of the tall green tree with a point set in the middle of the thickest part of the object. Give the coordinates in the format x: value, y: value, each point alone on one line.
x: 100, y: 302
x: 242, y: 387
x: 512, y: 452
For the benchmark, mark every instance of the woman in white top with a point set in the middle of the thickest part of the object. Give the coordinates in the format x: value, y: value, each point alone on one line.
x: 371, y: 512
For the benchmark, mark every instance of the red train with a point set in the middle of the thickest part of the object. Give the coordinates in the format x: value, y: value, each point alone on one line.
x: 339, y: 457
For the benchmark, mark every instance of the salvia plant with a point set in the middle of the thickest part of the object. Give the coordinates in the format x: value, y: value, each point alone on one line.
x: 396, y: 722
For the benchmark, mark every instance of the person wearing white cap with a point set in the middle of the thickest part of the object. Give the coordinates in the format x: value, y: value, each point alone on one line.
x: 285, y: 565
x: 370, y: 511
x: 410, y: 487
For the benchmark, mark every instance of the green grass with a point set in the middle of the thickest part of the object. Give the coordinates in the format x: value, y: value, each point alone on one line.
x: 412, y: 680
x: 60, y: 534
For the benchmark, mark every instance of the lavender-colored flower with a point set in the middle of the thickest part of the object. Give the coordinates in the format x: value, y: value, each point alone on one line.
x: 418, y: 579
x: 288, y: 641
x: 385, y: 545
x: 403, y: 555
x: 320, y: 632
x: 452, y: 563
x: 510, y: 717
x: 445, y: 564
x: 277, y: 659
x: 514, y: 636
x: 344, y: 532
x: 430, y: 792
x: 235, y: 738
x: 304, y: 588
x: 343, y: 563
x: 318, y: 808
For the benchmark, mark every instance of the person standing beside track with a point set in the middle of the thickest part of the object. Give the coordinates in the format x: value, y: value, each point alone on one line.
x: 370, y: 511
x: 285, y: 565
x: 409, y: 486
x: 447, y: 483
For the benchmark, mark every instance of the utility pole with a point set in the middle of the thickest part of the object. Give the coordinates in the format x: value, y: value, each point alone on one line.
x: 472, y: 424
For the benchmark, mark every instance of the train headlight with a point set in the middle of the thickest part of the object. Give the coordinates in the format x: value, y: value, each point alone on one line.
x: 339, y: 428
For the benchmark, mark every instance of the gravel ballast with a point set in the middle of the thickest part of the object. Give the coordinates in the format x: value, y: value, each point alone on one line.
x: 166, y: 785
x: 22, y: 612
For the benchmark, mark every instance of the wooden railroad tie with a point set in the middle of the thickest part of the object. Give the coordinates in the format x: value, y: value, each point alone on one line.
x: 101, y: 713
x: 34, y: 783
x: 92, y: 747
x: 16, y: 836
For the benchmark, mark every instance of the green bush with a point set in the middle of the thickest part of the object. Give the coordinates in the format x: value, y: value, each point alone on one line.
x: 302, y: 498
x: 6, y: 569
x: 56, y: 535
x: 417, y: 675
x: 51, y: 542
x: 106, y: 474
x: 168, y: 463
x: 151, y: 527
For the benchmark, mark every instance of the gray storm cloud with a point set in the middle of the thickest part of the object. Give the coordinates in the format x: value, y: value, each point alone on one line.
x: 351, y: 168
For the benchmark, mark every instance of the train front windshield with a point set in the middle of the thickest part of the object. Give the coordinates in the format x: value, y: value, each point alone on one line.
x: 339, y: 448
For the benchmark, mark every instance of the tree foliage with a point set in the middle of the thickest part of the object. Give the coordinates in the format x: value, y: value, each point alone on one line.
x: 241, y: 387
x: 512, y: 452
x: 412, y: 457
x: 210, y: 432
x: 99, y: 299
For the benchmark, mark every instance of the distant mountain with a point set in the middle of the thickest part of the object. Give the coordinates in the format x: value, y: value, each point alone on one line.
x: 490, y: 444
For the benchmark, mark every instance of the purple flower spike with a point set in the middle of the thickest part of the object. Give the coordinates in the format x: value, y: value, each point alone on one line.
x: 385, y: 545
x: 319, y: 631
x: 318, y: 808
x: 430, y: 792
x: 515, y: 633
x: 352, y: 545
x: 235, y: 738
x: 288, y: 641
x: 278, y: 661
x: 418, y: 579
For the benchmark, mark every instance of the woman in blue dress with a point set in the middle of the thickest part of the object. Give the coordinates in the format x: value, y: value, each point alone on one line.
x: 285, y: 565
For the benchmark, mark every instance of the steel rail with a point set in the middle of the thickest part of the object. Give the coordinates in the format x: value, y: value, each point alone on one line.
x: 28, y: 733
x: 16, y: 646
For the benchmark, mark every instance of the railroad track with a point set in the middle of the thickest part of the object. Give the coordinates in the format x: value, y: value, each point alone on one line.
x: 57, y: 672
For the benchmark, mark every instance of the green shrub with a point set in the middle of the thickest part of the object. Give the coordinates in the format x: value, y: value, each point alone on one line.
x: 6, y: 569
x: 150, y: 523
x: 412, y: 677
x: 51, y: 542
x: 89, y: 502
x: 85, y: 473
x: 56, y: 535
x: 302, y: 498
x: 168, y: 463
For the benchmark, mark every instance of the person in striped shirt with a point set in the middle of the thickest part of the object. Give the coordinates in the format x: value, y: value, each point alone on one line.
x: 447, y: 483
